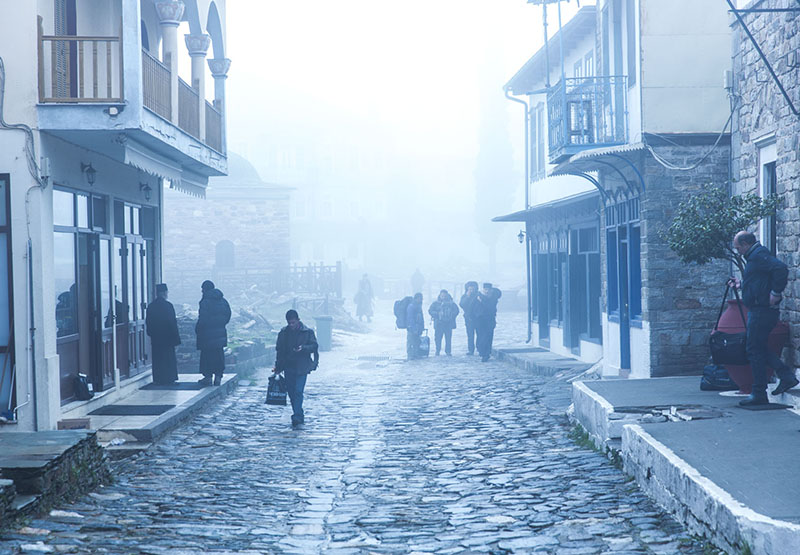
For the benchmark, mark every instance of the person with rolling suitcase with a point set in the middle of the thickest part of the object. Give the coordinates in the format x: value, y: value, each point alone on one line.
x: 415, y: 325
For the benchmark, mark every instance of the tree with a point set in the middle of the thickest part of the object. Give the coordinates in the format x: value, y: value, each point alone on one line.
x: 705, y: 224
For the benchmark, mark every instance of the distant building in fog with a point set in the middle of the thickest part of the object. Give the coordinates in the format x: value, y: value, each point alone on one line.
x: 241, y: 225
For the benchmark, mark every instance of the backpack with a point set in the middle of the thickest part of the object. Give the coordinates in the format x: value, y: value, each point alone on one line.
x: 400, y: 308
x: 716, y: 378
x: 80, y: 383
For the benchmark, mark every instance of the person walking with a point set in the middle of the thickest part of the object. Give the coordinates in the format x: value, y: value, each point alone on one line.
x: 415, y: 325
x: 363, y: 299
x: 443, y: 311
x: 486, y: 319
x: 162, y: 328
x: 467, y: 303
x: 296, y: 355
x: 212, y: 337
x: 763, y: 281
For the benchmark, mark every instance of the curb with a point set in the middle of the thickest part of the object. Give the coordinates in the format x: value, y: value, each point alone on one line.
x: 699, y: 503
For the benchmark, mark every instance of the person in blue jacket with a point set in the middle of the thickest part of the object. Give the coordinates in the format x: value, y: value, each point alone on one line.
x: 762, y: 285
x: 296, y: 355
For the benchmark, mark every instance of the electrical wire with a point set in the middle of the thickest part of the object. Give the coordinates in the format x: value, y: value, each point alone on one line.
x: 30, y: 147
x: 670, y: 166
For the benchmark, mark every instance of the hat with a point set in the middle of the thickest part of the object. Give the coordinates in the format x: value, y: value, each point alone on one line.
x: 161, y: 288
x: 207, y: 284
x: 487, y: 285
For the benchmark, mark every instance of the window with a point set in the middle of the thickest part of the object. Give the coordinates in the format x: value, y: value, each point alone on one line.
x: 611, y: 258
x: 538, y: 138
x: 635, y: 268
x: 767, y: 156
x: 65, y: 287
x: 588, y: 62
x: 577, y: 70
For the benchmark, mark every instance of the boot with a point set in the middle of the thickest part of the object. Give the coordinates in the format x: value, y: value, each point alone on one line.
x: 785, y: 385
x: 754, y: 399
x: 205, y: 381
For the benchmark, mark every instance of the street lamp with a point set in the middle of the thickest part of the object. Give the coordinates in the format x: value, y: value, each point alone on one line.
x: 91, y: 173
x: 521, y: 236
x: 146, y: 189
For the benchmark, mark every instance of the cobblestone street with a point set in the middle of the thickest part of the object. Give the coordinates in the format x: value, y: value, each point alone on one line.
x: 444, y: 455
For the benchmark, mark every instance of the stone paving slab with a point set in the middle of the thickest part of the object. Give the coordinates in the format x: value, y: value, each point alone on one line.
x: 36, y: 449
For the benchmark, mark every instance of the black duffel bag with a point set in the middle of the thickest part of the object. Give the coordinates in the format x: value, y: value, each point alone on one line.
x: 729, y: 348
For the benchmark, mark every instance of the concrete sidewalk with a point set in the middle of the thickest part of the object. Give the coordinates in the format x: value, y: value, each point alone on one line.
x: 726, y: 472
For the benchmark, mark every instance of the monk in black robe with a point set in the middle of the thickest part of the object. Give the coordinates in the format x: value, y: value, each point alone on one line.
x: 162, y: 327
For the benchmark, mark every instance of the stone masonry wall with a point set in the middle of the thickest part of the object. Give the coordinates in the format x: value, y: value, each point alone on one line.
x: 681, y: 301
x: 764, y: 117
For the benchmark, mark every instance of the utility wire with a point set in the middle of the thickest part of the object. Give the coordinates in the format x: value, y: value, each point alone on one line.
x: 30, y: 147
x: 669, y: 165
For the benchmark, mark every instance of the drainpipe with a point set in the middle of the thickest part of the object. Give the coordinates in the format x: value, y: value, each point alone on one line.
x: 527, y: 205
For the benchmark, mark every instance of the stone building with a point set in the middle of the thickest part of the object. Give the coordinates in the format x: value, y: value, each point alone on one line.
x: 645, y: 128
x: 765, y: 140
x: 100, y: 118
x: 242, y: 225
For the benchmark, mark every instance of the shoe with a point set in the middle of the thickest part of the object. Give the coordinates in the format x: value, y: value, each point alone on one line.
x: 786, y: 385
x: 205, y: 381
x: 755, y: 399
x: 217, y: 380
x: 484, y: 359
x: 297, y: 424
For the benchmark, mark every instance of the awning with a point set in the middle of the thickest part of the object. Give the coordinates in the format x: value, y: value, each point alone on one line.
x: 527, y: 215
x: 141, y: 157
x: 604, y: 158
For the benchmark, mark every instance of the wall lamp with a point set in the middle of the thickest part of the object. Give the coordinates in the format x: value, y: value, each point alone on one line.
x: 91, y: 173
x: 521, y: 236
x: 146, y: 189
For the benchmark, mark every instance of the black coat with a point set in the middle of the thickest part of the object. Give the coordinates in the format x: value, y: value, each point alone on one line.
x: 468, y: 306
x: 214, y: 314
x: 444, y: 314
x: 762, y: 274
x: 486, y: 308
x: 303, y: 361
x: 162, y: 327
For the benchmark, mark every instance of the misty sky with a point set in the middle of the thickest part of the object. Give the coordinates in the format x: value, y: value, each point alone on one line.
x: 415, y: 73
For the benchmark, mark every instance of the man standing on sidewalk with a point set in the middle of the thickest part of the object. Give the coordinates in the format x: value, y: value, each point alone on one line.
x: 296, y: 355
x: 762, y: 285
x: 486, y: 319
x: 212, y: 337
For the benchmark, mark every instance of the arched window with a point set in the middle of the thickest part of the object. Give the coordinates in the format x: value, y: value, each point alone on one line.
x: 145, y: 37
x: 225, y: 259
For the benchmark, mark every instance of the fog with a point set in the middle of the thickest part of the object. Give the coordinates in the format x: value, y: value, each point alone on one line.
x: 388, y: 121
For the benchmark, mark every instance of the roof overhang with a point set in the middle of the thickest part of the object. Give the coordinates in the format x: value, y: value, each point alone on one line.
x: 608, y: 158
x: 530, y: 213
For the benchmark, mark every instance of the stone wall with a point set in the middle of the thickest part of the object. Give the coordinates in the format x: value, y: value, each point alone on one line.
x: 680, y: 301
x: 763, y: 116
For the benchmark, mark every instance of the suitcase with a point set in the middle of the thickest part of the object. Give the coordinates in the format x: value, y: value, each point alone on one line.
x: 425, y: 345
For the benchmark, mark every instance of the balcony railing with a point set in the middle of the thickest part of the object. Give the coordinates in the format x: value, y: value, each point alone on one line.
x: 586, y: 112
x: 213, y: 127
x: 79, y: 68
x: 156, y: 85
x: 188, y: 109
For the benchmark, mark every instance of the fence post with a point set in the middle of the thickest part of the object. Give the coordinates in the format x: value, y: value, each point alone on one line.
x: 339, y: 278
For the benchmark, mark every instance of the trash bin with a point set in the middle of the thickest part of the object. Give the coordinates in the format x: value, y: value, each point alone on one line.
x: 324, y: 332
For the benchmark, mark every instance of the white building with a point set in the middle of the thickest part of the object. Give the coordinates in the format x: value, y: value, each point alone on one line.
x: 640, y: 114
x: 97, y: 119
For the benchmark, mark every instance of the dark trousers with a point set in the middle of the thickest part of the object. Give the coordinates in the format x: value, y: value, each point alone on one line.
x: 484, y: 340
x: 212, y: 362
x: 295, y: 384
x: 448, y: 340
x: 470, y: 337
x: 412, y: 344
x: 760, y: 322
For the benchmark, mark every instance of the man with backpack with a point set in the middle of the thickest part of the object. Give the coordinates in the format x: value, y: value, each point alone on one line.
x: 415, y: 325
x: 443, y: 311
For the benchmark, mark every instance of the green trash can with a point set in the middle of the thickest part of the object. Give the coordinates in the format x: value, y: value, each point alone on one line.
x: 324, y: 332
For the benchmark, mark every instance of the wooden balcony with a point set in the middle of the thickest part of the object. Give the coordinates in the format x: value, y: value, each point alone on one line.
x: 80, y: 68
x: 188, y: 109
x: 213, y: 127
x: 156, y: 86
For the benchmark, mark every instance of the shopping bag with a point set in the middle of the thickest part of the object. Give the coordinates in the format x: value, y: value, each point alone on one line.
x: 425, y: 345
x: 276, y: 390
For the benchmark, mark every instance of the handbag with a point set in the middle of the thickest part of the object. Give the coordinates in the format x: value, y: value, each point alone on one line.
x: 276, y: 390
x: 716, y: 378
x: 729, y: 348
x: 83, y: 391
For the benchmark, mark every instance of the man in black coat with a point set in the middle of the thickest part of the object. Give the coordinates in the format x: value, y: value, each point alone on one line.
x: 486, y: 319
x: 296, y: 355
x: 212, y: 337
x: 162, y: 327
x: 467, y: 303
x: 762, y: 285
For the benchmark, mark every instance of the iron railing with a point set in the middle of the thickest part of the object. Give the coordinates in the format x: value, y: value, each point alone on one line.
x: 586, y: 112
x: 156, y: 85
x: 79, y: 68
x: 213, y: 127
x: 188, y: 109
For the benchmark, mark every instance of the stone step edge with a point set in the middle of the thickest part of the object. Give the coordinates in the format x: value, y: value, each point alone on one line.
x: 699, y: 503
x: 546, y: 369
